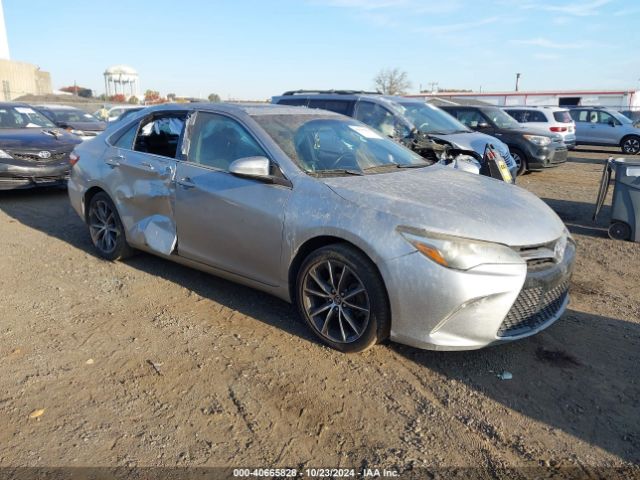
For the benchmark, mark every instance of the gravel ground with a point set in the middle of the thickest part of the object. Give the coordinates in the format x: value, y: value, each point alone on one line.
x: 148, y: 363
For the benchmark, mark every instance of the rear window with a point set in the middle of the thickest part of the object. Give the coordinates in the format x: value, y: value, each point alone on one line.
x: 293, y: 101
x: 343, y: 107
x: 562, y: 117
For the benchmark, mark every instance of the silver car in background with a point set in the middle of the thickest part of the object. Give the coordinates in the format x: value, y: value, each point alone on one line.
x: 366, y: 237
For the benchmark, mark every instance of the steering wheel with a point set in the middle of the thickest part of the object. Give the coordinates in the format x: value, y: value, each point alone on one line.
x: 336, y: 163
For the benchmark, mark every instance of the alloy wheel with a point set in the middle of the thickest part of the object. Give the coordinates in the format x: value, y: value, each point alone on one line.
x: 336, y: 301
x: 518, y: 159
x: 103, y: 226
x: 631, y: 145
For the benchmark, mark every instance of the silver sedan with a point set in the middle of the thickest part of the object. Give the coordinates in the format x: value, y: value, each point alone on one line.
x: 370, y: 240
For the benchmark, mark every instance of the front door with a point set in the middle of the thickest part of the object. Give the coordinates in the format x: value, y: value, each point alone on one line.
x: 228, y: 222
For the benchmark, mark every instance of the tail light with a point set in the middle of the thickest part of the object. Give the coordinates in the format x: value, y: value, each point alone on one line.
x: 558, y: 129
x: 74, y: 158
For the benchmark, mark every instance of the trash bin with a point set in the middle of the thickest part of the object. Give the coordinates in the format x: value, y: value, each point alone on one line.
x: 625, y: 208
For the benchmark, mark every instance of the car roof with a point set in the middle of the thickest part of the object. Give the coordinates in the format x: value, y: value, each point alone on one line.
x: 348, y: 95
x: 14, y: 104
x: 57, y: 107
x: 535, y: 107
x: 253, y: 109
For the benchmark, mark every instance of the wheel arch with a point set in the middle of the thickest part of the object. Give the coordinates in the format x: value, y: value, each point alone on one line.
x: 86, y: 199
x: 317, y: 242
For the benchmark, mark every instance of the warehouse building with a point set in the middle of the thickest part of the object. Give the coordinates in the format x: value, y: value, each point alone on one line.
x: 618, y: 99
x: 19, y: 78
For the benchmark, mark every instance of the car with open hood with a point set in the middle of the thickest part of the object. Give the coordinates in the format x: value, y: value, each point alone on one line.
x: 420, y: 126
x: 369, y: 240
x: 33, y: 151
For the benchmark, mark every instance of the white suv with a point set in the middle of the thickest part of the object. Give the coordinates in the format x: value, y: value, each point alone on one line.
x: 551, y: 119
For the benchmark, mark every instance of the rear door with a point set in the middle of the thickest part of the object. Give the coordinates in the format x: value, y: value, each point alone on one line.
x: 584, y: 128
x: 228, y: 222
x: 141, y: 181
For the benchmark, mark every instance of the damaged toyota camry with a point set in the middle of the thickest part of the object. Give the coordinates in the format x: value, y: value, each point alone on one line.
x: 368, y: 239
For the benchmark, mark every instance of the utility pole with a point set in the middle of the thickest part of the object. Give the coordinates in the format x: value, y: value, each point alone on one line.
x: 517, y: 81
x: 434, y: 87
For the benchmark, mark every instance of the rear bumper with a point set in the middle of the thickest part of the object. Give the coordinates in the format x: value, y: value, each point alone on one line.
x: 15, y: 176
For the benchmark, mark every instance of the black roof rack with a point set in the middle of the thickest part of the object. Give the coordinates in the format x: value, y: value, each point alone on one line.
x: 333, y: 92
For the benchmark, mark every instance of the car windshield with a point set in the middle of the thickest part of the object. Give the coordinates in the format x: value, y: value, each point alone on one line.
x: 622, y: 118
x: 430, y: 119
x: 22, y: 117
x: 334, y: 146
x: 74, y: 116
x: 500, y: 119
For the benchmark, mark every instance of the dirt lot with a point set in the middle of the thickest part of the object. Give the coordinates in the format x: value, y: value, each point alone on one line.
x: 146, y: 363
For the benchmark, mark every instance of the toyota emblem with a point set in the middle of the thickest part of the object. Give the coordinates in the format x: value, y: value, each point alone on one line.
x: 44, y: 154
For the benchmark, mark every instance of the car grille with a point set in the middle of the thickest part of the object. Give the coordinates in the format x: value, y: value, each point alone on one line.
x: 560, y: 155
x: 32, y: 156
x: 533, y: 308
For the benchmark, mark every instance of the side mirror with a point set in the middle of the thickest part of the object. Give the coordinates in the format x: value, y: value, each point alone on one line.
x: 483, y: 125
x: 612, y: 123
x: 251, y: 167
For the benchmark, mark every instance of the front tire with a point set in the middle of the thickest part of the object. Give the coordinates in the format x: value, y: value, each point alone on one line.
x: 630, y: 145
x: 342, y: 298
x: 106, y: 229
x: 521, y: 161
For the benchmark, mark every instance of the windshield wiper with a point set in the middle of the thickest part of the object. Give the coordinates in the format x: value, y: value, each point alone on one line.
x: 335, y: 171
x: 387, y: 166
x: 415, y: 165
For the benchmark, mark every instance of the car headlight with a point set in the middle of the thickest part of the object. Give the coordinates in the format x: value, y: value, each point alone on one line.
x: 4, y: 154
x: 538, y: 140
x: 457, y: 252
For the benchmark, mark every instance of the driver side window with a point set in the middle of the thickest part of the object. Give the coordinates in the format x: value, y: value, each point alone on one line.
x: 217, y: 141
x: 607, y: 119
x: 376, y: 117
x: 470, y: 118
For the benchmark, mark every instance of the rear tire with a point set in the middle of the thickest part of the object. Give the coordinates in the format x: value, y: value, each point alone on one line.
x: 521, y: 161
x: 106, y: 229
x: 342, y: 298
x: 620, y: 231
x: 630, y: 145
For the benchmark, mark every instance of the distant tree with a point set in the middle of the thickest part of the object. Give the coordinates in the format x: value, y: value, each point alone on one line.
x: 214, y: 98
x: 79, y: 91
x: 118, y: 98
x: 133, y: 100
x: 171, y: 97
x: 392, y: 81
x: 103, y: 97
x: 151, y: 96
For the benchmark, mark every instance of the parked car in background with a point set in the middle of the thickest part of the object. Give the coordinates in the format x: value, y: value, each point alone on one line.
x: 549, y: 119
x: 399, y: 118
x: 73, y: 120
x: 110, y: 114
x: 368, y: 238
x: 127, y: 112
x: 606, y: 127
x: 33, y: 151
x: 530, y: 148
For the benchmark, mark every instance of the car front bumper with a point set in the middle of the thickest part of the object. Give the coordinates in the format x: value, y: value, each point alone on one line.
x: 545, y: 157
x: 436, y: 308
x: 26, y: 175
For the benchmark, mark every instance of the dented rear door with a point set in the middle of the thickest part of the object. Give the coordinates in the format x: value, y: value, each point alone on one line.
x: 145, y: 195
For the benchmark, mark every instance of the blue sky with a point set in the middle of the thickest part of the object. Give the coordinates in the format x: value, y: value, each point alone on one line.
x: 254, y: 49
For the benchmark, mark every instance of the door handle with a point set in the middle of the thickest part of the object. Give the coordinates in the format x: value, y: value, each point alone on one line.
x: 186, y: 182
x: 148, y: 166
x: 114, y: 161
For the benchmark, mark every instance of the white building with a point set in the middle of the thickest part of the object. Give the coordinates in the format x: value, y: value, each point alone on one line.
x: 618, y: 99
x: 121, y: 80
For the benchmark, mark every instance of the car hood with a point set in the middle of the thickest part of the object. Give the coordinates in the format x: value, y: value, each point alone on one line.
x: 442, y: 200
x: 88, y: 126
x: 37, y: 138
x: 475, y: 141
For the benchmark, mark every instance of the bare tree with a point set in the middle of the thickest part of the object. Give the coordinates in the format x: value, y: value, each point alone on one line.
x: 392, y: 81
